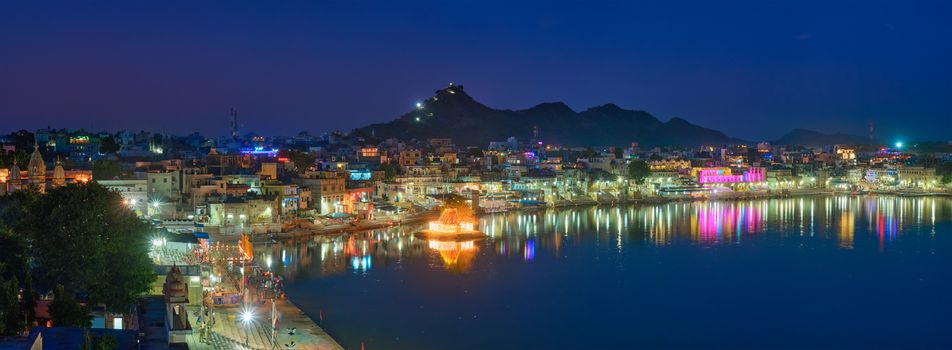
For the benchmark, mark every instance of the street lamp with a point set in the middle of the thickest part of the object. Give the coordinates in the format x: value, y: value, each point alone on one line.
x: 246, y: 317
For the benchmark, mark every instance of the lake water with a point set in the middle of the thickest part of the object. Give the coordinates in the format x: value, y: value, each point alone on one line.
x: 823, y: 272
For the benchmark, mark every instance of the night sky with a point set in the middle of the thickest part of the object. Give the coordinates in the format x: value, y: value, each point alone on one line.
x: 753, y: 69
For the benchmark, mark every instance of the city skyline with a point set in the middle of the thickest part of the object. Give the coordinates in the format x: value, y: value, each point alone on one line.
x: 751, y: 70
x: 475, y: 175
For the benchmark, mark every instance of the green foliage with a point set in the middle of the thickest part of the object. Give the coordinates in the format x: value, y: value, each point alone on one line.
x: 301, y: 160
x: 13, y: 257
x: 28, y: 299
x: 20, y: 157
x: 638, y: 171
x: 11, y: 321
x: 619, y: 152
x: 601, y: 175
x: 65, y: 311
x: 944, y: 170
x: 390, y: 171
x: 588, y: 153
x: 108, y: 145
x: 99, y: 342
x: 106, y: 170
x: 85, y: 239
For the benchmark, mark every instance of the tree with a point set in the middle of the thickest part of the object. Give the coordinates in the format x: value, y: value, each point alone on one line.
x: 619, y: 152
x: 14, y: 208
x: 638, y: 171
x: 301, y: 160
x: 108, y: 145
x: 390, y: 171
x: 29, y: 300
x: 11, y: 320
x: 85, y: 239
x: 106, y: 170
x: 588, y: 153
x: 98, y: 342
x: 20, y: 157
x: 65, y: 311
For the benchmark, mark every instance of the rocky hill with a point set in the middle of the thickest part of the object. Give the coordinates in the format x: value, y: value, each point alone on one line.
x: 454, y: 114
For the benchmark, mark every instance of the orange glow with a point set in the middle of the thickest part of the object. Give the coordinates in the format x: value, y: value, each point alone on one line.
x: 455, y: 255
x: 245, y: 245
x: 451, y: 221
x: 83, y: 178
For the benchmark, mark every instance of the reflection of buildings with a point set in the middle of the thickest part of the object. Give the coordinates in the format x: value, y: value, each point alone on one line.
x: 846, y: 228
x: 523, y: 236
x: 455, y: 255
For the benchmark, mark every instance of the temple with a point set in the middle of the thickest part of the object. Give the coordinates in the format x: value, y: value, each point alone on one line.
x: 175, y: 291
x: 450, y: 222
x: 36, y: 176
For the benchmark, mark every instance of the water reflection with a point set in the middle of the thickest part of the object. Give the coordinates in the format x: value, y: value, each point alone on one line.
x: 456, y: 256
x: 524, y: 236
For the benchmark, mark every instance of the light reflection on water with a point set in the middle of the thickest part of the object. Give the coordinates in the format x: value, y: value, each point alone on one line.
x: 812, y: 272
x: 517, y: 234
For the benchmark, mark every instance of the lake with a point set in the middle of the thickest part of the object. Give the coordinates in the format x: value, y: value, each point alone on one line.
x: 813, y: 272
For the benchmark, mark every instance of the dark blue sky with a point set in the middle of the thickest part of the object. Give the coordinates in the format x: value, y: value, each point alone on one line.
x: 754, y: 69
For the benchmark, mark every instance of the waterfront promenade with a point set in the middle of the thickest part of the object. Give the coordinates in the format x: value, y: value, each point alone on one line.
x: 229, y: 332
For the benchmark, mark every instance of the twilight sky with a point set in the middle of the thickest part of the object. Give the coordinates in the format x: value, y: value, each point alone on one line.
x: 753, y: 69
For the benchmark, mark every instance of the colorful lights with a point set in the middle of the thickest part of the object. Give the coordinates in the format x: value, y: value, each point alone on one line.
x: 79, y: 140
x: 260, y: 151
x: 362, y: 263
x: 451, y: 222
x: 706, y: 176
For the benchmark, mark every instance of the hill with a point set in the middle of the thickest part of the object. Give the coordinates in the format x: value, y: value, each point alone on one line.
x: 454, y: 114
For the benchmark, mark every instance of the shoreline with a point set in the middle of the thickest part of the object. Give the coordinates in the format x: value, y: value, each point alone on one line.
x: 301, y: 233
x: 342, y: 229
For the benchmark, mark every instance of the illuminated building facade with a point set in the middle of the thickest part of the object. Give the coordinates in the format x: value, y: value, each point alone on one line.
x: 669, y: 165
x: 724, y: 176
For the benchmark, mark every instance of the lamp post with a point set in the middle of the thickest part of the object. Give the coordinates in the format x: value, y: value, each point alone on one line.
x: 246, y: 317
x: 155, y: 208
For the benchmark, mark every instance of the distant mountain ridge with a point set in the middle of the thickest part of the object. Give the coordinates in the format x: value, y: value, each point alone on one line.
x: 452, y: 113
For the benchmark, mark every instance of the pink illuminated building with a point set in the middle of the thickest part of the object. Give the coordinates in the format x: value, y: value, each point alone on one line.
x: 721, y: 175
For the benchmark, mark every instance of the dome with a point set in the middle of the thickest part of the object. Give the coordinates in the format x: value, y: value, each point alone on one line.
x: 36, y: 166
x: 59, y: 174
x: 15, y: 172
